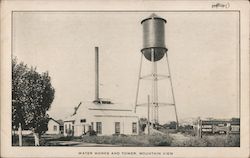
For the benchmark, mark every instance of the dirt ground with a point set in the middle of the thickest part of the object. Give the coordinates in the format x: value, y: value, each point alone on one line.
x: 75, y: 143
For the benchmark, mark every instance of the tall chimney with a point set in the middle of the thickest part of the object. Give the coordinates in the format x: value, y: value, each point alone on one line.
x: 96, y: 74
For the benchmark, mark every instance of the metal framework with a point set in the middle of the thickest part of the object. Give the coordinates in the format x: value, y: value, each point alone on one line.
x: 154, y: 103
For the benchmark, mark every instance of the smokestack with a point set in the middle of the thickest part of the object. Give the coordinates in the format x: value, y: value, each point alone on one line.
x: 96, y: 74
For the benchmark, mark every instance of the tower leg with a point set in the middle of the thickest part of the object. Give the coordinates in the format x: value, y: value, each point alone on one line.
x: 154, y: 104
x: 138, y: 83
x: 172, y: 90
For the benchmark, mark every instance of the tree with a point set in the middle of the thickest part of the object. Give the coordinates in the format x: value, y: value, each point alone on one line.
x: 32, y: 95
x: 171, y: 125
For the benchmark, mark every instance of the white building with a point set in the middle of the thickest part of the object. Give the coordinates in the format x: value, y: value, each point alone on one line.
x: 105, y: 119
x: 101, y: 115
x: 54, y: 127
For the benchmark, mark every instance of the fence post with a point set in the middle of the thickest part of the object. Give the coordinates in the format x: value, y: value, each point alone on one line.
x: 20, y: 134
x: 199, y: 128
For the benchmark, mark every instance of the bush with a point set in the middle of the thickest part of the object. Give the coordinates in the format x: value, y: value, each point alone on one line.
x: 122, y: 135
x: 91, y: 133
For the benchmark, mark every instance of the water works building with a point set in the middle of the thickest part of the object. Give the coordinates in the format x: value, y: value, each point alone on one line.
x: 103, y: 118
x: 101, y: 115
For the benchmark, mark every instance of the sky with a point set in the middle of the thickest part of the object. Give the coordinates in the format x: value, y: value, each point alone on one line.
x: 203, y: 54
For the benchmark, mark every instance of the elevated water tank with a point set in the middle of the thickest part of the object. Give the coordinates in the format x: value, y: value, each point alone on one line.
x: 154, y: 37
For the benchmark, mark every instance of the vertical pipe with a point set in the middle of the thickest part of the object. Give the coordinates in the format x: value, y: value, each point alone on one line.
x: 156, y: 93
x: 148, y: 114
x: 153, y: 85
x: 96, y: 74
x: 123, y: 126
x: 201, y: 129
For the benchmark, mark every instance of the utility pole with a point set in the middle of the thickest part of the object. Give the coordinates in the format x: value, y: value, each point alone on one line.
x: 148, y: 114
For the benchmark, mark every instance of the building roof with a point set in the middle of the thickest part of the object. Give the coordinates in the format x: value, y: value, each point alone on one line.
x: 90, y: 110
x: 153, y: 16
x: 211, y: 122
x: 233, y: 121
x: 60, y: 122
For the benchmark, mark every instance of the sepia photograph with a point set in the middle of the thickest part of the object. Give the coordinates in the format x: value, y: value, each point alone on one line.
x: 125, y: 79
x: 113, y: 78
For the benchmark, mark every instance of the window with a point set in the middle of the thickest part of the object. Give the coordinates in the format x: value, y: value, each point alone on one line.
x: 55, y: 128
x: 134, y: 127
x: 69, y: 126
x: 83, y: 120
x: 98, y: 127
x: 66, y: 130
x: 117, y: 127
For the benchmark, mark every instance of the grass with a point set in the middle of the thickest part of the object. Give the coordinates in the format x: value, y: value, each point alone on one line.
x: 26, y: 141
x: 210, y: 141
x: 137, y: 140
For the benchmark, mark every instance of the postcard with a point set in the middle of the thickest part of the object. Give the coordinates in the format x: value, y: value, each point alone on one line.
x: 124, y: 78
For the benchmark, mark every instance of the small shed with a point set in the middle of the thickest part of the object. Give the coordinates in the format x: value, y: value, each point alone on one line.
x: 55, y: 126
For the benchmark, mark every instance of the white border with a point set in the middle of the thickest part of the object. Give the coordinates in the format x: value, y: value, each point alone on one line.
x: 7, y: 6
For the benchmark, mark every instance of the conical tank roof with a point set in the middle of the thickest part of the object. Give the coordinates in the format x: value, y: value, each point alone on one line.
x: 153, y: 16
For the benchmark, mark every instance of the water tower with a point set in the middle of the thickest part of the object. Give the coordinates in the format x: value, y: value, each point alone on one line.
x: 153, y: 50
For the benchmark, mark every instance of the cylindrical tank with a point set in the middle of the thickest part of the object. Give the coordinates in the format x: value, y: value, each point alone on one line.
x: 154, y: 37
